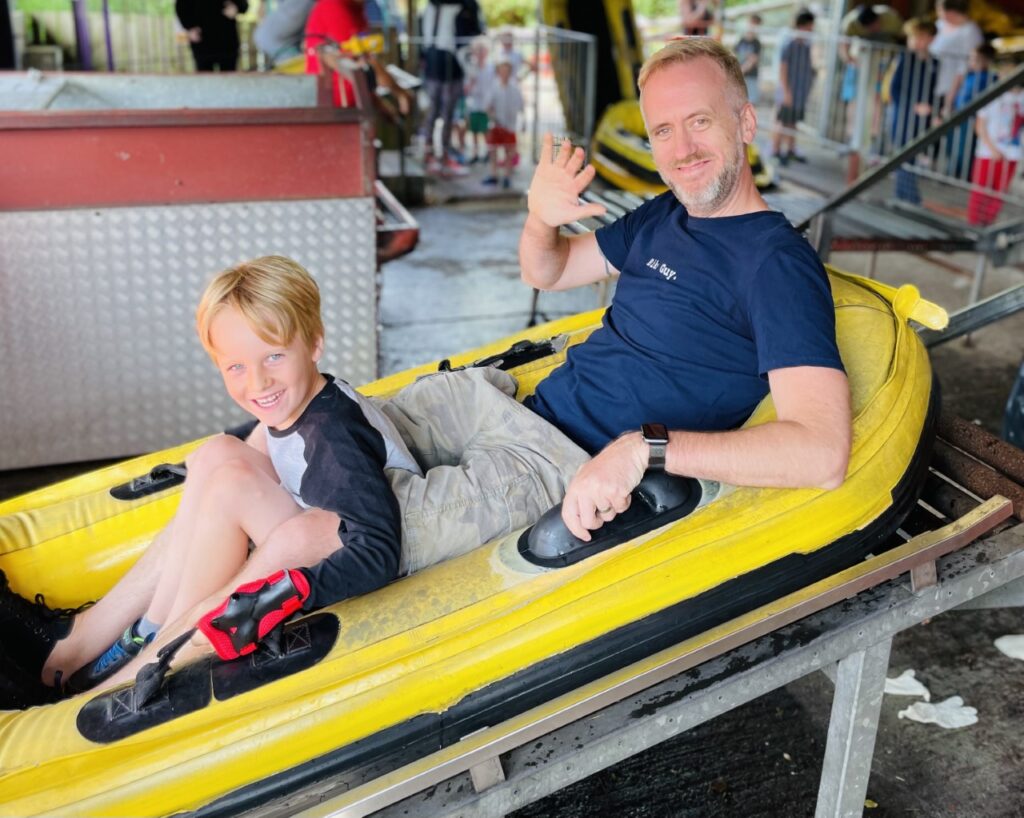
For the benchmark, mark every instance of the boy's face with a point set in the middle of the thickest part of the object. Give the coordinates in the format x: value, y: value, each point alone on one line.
x: 920, y: 42
x: 273, y: 382
x: 978, y: 62
x: 504, y: 72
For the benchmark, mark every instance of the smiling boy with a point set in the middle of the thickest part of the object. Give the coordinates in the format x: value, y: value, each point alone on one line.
x: 306, y: 493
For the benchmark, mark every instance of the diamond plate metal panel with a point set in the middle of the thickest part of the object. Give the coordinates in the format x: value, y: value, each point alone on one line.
x: 98, y: 353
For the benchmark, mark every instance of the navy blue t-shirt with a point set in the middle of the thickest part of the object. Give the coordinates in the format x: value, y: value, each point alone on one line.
x: 704, y: 309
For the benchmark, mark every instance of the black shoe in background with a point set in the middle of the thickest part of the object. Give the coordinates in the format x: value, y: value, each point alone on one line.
x: 20, y: 690
x: 30, y: 629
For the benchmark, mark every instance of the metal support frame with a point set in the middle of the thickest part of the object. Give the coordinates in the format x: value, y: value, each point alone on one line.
x: 860, y: 683
x: 851, y: 646
x: 611, y: 719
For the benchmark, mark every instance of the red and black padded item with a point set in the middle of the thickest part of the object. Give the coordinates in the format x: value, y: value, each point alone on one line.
x: 235, y: 627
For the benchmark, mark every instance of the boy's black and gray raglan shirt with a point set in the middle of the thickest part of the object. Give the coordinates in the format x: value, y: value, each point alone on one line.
x: 333, y: 457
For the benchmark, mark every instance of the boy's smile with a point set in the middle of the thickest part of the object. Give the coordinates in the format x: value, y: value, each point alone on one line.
x: 274, y: 382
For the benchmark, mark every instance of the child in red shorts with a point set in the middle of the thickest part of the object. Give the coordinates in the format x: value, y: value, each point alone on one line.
x: 504, y: 104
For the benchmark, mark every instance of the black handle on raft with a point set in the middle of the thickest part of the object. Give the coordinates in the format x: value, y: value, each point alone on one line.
x: 659, y: 499
x: 159, y: 478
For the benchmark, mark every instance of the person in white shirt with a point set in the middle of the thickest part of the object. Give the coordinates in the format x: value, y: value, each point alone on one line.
x: 480, y: 77
x: 958, y: 36
x: 998, y: 151
x: 504, y: 105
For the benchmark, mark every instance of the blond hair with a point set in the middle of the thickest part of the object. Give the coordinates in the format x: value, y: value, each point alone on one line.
x: 916, y: 26
x: 276, y: 295
x: 687, y: 49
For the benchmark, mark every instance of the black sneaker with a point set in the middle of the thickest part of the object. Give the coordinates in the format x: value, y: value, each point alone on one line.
x: 30, y: 629
x: 19, y: 689
x: 126, y: 648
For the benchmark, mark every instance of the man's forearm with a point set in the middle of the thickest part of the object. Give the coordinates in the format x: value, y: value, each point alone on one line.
x: 543, y: 253
x: 781, y: 454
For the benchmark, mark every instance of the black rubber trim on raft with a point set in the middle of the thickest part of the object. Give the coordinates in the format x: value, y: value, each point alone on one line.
x: 398, y: 745
x: 114, y: 716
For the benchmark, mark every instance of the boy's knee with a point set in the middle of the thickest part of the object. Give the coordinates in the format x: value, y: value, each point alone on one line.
x: 214, y: 453
x: 232, y: 478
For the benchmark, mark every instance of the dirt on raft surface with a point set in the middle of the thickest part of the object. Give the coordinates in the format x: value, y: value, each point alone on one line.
x: 763, y: 759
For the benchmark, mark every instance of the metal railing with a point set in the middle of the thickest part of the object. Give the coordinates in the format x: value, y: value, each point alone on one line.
x: 926, y: 142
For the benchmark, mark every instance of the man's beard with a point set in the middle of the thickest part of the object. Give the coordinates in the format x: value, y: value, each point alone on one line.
x: 715, y: 192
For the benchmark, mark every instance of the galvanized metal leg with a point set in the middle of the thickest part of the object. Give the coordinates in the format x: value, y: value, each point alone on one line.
x: 872, y: 264
x: 980, y: 269
x: 860, y: 683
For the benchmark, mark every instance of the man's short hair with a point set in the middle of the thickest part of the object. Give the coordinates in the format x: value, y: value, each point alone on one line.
x: 756, y: 19
x: 867, y: 16
x: 278, y: 298
x: 916, y: 26
x: 804, y: 17
x: 687, y: 49
x: 958, y: 6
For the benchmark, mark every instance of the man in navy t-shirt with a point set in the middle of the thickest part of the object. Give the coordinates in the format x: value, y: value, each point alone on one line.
x: 719, y: 300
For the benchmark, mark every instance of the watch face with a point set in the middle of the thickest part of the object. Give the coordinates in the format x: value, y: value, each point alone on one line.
x: 654, y: 433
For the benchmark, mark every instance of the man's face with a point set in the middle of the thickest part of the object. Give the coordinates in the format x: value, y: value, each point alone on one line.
x: 697, y: 138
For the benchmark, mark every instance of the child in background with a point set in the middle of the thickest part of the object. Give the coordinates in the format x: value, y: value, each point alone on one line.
x: 913, y: 100
x: 480, y: 77
x: 998, y: 129
x: 796, y: 75
x: 966, y: 86
x: 504, y: 103
x: 507, y: 51
x: 748, y: 52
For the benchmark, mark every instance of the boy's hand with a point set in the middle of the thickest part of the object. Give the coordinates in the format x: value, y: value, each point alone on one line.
x: 554, y: 195
x: 195, y: 35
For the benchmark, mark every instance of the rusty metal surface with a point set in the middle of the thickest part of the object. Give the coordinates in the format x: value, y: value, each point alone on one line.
x: 977, y: 477
x: 971, y: 438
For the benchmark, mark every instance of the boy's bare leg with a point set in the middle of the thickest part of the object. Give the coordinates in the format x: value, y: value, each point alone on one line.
x: 240, y: 502
x: 300, y: 541
x: 96, y: 628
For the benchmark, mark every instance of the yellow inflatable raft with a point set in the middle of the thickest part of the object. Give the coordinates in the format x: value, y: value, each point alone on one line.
x: 433, y: 657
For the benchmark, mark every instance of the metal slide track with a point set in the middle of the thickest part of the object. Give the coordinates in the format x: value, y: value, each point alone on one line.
x: 959, y: 543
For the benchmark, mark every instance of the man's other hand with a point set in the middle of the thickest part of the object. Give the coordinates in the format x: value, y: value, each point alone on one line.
x: 558, y: 181
x: 601, y: 488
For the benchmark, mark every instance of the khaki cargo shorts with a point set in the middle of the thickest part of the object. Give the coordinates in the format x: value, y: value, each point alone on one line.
x: 491, y: 466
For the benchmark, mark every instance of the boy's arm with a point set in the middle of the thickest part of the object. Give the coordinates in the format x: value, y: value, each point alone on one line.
x: 981, y: 129
x: 345, y: 474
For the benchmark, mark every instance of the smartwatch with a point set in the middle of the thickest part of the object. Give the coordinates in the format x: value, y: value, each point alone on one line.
x: 656, y: 436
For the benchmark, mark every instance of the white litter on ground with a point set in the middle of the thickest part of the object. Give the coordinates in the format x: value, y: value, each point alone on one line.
x: 906, y: 685
x: 1012, y: 645
x: 950, y: 713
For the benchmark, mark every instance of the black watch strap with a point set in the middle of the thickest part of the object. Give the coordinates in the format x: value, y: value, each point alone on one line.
x: 656, y: 437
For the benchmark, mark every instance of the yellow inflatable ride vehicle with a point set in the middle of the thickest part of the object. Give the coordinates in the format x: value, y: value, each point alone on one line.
x: 394, y: 675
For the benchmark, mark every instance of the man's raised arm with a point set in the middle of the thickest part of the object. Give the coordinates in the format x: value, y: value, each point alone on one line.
x: 549, y: 260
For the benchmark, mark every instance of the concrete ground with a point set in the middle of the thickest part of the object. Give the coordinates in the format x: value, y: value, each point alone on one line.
x: 461, y: 288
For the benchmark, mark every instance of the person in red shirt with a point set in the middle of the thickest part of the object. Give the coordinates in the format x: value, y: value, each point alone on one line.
x: 333, y: 23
